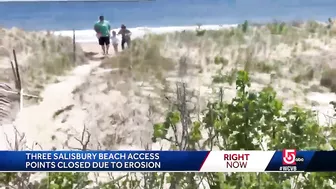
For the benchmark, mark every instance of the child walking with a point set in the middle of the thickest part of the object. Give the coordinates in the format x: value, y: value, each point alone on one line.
x: 115, y: 41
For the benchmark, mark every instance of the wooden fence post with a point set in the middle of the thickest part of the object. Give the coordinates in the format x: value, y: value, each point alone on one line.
x: 74, y: 45
x: 17, y: 78
x: 17, y: 73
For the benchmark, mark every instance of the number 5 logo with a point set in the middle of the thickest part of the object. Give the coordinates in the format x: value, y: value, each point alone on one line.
x: 288, y: 157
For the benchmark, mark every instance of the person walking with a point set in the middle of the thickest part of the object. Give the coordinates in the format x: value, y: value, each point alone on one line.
x: 115, y: 41
x: 102, y: 28
x: 125, y: 36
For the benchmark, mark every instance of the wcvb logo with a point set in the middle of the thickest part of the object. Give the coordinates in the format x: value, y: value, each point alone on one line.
x: 288, y: 157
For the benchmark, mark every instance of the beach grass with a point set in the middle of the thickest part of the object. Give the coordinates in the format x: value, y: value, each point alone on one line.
x: 144, y: 60
x: 293, y: 51
x: 41, y: 55
x: 328, y: 79
x: 292, y: 58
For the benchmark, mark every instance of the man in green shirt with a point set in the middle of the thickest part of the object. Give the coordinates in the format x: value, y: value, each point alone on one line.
x: 102, y: 28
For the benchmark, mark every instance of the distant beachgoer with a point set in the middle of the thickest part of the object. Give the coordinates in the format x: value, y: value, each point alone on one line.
x: 115, y: 41
x: 330, y: 23
x: 125, y: 36
x: 102, y: 28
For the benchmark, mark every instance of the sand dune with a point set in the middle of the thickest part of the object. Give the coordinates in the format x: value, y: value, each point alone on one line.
x: 94, y: 88
x: 117, y: 100
x: 88, y: 94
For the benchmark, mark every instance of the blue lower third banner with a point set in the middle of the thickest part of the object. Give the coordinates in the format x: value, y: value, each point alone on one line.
x: 288, y: 160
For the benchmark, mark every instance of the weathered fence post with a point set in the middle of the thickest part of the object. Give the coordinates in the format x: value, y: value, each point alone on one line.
x: 74, y: 45
x: 17, y: 78
x: 19, y: 85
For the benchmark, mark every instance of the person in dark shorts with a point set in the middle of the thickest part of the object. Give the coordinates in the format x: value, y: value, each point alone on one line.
x: 125, y: 36
x: 102, y: 28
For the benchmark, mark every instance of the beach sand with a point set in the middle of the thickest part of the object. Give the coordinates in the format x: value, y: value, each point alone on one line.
x: 114, y: 109
x: 91, y: 47
x: 43, y: 130
x: 89, y: 80
x: 90, y: 105
x: 95, y: 49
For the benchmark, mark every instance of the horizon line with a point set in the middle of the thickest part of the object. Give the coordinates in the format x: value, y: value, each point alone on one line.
x: 112, y: 1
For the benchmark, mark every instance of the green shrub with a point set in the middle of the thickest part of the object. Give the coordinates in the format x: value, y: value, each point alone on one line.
x: 245, y: 123
x: 245, y: 26
x: 277, y: 28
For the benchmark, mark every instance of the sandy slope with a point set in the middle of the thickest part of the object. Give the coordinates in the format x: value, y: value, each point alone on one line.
x: 115, y: 109
x: 81, y: 94
x: 112, y: 108
x: 36, y: 121
x: 95, y: 49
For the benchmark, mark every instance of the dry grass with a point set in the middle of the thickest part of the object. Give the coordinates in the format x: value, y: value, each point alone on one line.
x: 329, y: 79
x: 290, y: 51
x: 306, y: 75
x: 143, y: 60
x: 40, y: 55
x: 271, y: 49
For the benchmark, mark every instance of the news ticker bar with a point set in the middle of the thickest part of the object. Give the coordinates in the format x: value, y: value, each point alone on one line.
x: 288, y: 160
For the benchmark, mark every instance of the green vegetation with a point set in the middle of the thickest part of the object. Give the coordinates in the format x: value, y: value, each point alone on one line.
x: 245, y: 26
x: 277, y: 28
x: 199, y: 31
x: 251, y: 121
x: 220, y: 77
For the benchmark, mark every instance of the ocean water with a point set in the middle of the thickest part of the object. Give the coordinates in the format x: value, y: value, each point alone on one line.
x: 62, y: 15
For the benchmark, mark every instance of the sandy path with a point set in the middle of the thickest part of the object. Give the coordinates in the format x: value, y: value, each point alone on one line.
x: 84, y: 90
x: 94, y: 48
x: 38, y: 125
x: 36, y: 121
